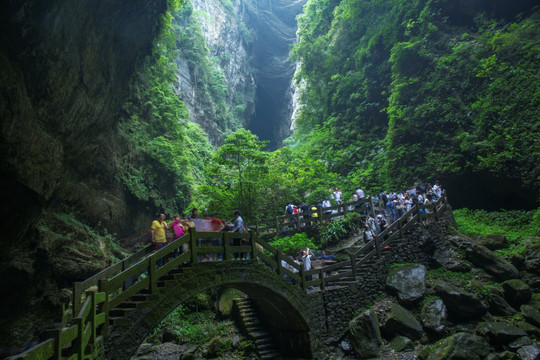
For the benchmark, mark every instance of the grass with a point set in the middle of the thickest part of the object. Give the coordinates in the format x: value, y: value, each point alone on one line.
x: 515, y: 224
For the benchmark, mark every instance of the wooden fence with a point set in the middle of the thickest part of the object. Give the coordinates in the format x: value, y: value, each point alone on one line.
x: 77, y: 336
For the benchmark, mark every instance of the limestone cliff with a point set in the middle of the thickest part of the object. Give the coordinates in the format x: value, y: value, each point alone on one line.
x: 248, y: 45
x: 65, y: 67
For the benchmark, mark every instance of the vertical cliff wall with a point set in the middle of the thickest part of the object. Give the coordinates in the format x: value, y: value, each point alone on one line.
x: 65, y: 67
x: 246, y: 44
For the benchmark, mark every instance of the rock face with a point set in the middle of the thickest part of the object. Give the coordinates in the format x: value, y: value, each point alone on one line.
x: 401, y: 322
x: 407, y: 282
x: 531, y: 314
x: 498, y: 305
x: 499, y: 333
x: 251, y: 43
x: 516, y: 292
x: 458, y: 347
x: 65, y: 69
x: 493, y: 241
x: 365, y: 334
x: 434, y: 315
x: 460, y: 303
x: 484, y: 258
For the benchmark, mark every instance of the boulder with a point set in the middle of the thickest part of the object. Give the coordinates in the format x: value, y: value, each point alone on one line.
x: 434, y: 315
x: 493, y: 241
x: 459, y: 302
x: 531, y: 314
x: 531, y: 352
x: 400, y: 343
x: 483, y: 257
x: 450, y: 259
x: 459, y: 346
x: 407, y: 282
x: 499, y: 333
x: 497, y: 303
x: 365, y: 334
x: 401, y: 322
x: 530, y: 329
x: 532, y: 254
x: 516, y: 292
x: 520, y: 342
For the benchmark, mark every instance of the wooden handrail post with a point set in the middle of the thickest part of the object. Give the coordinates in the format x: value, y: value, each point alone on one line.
x: 125, y: 265
x: 371, y: 207
x: 193, y: 245
x: 277, y: 225
x: 257, y: 226
x: 77, y: 291
x: 302, y: 278
x: 152, y: 273
x: 319, y: 213
x: 93, y: 336
x: 377, y: 246
x: 353, y: 265
x: 227, y: 246
x: 105, y: 306
x: 321, y: 276
x: 400, y: 226
x: 277, y: 257
x: 252, y: 239
x: 55, y: 334
x: 436, y: 212
x: 79, y: 345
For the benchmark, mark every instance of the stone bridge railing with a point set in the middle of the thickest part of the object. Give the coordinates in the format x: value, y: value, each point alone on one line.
x: 87, y: 321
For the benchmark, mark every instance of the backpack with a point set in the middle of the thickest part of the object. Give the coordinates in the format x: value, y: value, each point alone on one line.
x: 289, y: 209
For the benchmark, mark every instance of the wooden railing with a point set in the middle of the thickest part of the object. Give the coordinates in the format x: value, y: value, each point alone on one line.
x: 284, y: 223
x: 76, y: 338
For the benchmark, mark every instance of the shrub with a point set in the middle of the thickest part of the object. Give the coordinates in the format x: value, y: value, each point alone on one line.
x: 290, y: 245
x: 339, y: 229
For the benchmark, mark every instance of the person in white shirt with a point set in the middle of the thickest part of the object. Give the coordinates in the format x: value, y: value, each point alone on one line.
x: 360, y: 193
x: 337, y: 195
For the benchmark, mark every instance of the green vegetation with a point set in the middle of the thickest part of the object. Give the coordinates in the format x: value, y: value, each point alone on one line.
x: 340, y: 229
x: 395, y: 90
x: 291, y: 245
x: 514, y: 224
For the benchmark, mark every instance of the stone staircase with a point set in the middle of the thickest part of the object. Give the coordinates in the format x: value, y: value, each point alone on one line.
x: 249, y: 322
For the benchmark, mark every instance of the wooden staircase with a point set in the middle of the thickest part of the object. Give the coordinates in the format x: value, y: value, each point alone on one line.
x: 249, y: 321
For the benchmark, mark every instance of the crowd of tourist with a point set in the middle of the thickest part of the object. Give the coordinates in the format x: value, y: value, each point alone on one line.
x: 392, y: 205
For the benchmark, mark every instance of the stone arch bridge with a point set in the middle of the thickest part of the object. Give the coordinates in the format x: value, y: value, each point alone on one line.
x: 305, y: 312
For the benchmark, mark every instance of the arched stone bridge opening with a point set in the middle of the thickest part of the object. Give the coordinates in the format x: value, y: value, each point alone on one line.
x: 285, y: 308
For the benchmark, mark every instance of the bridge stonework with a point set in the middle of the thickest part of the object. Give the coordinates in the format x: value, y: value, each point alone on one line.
x: 287, y: 309
x: 417, y: 246
x: 135, y: 295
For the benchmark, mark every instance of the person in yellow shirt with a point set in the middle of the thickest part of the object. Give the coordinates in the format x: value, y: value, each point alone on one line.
x: 159, y: 238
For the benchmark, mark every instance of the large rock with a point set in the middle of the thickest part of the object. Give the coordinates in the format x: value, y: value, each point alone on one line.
x: 484, y: 258
x: 365, y: 334
x: 531, y: 352
x: 530, y: 329
x: 407, y: 282
x: 434, y: 315
x: 400, y: 343
x: 459, y: 346
x: 459, y: 302
x: 401, y: 322
x: 531, y: 314
x: 493, y: 241
x: 532, y: 254
x: 499, y: 333
x: 516, y: 292
x: 450, y: 259
x: 498, y: 305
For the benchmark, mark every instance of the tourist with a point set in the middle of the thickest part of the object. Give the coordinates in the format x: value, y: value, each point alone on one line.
x: 337, y: 195
x: 371, y: 223
x: 360, y: 194
x: 237, y: 227
x: 326, y: 204
x: 381, y: 223
x: 369, y: 234
x: 178, y: 232
x: 306, y: 260
x: 159, y: 238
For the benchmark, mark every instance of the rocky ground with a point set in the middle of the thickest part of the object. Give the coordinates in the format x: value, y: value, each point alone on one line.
x: 470, y: 303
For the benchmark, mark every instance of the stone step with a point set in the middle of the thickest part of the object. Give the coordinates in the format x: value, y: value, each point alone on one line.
x: 117, y: 312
